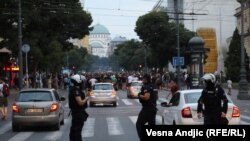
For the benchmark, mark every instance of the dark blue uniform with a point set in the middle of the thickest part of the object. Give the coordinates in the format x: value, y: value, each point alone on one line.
x: 79, y: 115
x: 149, y: 109
x: 212, y: 99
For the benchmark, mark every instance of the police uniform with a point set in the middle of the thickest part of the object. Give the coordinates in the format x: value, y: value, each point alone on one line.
x: 212, y: 98
x: 149, y: 109
x: 79, y: 115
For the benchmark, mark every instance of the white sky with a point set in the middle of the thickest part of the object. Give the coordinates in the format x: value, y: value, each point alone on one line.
x: 120, y: 16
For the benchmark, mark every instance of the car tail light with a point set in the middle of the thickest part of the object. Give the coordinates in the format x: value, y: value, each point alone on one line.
x: 113, y: 93
x: 236, y: 112
x: 15, y: 108
x: 91, y: 93
x: 53, y: 107
x: 186, y: 112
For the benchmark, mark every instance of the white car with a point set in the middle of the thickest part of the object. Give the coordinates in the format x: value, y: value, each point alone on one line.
x: 183, y: 110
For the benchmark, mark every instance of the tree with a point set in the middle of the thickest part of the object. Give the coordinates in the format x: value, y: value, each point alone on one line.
x: 159, y: 34
x: 43, y: 22
x: 233, y: 59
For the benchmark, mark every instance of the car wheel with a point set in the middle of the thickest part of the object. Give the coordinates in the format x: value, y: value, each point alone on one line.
x: 162, y: 120
x: 174, y: 123
x: 57, y: 125
x: 114, y: 104
x: 15, y: 128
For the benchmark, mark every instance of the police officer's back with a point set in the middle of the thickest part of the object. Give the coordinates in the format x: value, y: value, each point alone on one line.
x: 212, y: 97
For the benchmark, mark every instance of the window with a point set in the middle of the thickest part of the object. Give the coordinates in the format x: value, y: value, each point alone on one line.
x: 34, y: 96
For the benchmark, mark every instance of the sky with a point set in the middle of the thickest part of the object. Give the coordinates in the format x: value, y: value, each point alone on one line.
x: 120, y: 16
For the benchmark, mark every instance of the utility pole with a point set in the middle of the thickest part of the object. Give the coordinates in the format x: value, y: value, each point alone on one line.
x: 178, y: 41
x: 20, y: 55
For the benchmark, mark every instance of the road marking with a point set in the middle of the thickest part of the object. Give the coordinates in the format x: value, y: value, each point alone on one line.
x: 114, y: 126
x: 158, y: 119
x: 56, y: 135
x: 127, y: 102
x: 5, y: 128
x: 133, y: 119
x: 137, y: 100
x: 22, y: 136
x: 88, y: 128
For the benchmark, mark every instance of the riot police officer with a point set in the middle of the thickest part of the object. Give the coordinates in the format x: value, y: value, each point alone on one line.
x: 147, y: 97
x: 212, y: 98
x: 77, y: 104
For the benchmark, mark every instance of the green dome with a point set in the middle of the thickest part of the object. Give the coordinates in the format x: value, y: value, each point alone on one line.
x: 99, y: 29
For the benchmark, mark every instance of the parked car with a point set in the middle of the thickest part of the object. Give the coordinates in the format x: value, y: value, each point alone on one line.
x: 38, y: 107
x: 103, y: 93
x: 134, y: 89
x: 183, y: 109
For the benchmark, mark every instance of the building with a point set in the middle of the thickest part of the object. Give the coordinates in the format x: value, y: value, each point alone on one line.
x: 209, y: 37
x: 168, y: 6
x: 116, y: 41
x: 246, y: 25
x: 99, y: 41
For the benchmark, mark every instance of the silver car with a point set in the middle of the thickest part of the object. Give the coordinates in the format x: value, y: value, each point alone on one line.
x: 38, y: 107
x: 183, y: 109
x: 103, y: 93
x: 134, y: 89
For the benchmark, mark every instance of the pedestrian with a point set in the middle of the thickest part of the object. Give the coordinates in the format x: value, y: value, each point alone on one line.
x: 173, y: 88
x: 229, y: 86
x: 3, y: 101
x: 148, y: 98
x: 77, y: 105
x: 210, y: 101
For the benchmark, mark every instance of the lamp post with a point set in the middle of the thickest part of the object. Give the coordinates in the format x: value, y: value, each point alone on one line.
x: 20, y: 55
x: 243, y: 84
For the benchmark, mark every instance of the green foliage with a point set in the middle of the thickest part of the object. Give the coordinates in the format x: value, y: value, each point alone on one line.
x: 233, y: 60
x: 45, y: 25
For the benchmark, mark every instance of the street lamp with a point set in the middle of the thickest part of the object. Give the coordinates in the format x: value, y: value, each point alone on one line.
x: 243, y: 84
x: 20, y: 55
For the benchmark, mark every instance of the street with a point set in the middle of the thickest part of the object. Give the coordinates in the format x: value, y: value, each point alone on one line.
x: 104, y: 122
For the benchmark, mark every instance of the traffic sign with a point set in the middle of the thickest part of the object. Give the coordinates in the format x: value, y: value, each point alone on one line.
x: 178, y: 61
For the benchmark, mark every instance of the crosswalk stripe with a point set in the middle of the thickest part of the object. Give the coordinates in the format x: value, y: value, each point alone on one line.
x: 137, y: 100
x: 5, y: 128
x: 114, y: 126
x: 22, y: 136
x: 56, y: 135
x: 158, y: 119
x: 88, y: 128
x: 244, y: 117
x: 127, y: 102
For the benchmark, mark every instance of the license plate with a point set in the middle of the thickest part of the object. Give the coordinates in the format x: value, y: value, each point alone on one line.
x: 34, y: 110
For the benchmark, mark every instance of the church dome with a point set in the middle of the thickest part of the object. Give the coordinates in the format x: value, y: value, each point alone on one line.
x: 99, y: 29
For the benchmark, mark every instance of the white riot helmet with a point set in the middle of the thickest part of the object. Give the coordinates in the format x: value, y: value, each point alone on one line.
x: 77, y: 79
x: 209, y: 77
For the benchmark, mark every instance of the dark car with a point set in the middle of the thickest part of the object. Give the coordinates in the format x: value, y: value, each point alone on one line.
x: 38, y: 107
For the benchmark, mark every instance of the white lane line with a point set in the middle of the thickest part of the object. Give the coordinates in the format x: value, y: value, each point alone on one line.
x: 5, y: 128
x: 158, y: 119
x: 88, y: 128
x: 137, y: 100
x: 114, y: 126
x: 127, y: 102
x: 245, y: 117
x: 22, y: 136
x: 56, y: 135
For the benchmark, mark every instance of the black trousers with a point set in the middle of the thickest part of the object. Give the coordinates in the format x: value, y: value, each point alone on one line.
x: 76, y: 127
x: 212, y: 119
x: 146, y: 115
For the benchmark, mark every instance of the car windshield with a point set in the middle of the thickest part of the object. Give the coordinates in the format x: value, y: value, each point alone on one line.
x: 136, y: 84
x: 193, y: 97
x: 103, y: 87
x: 34, y: 96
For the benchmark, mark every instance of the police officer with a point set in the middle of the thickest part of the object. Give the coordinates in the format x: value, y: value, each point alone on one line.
x: 77, y: 104
x: 147, y: 97
x: 212, y: 98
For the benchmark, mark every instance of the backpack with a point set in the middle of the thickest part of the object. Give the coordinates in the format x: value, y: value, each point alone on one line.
x: 5, y: 90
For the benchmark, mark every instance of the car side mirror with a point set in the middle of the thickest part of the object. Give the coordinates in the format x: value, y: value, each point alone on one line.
x: 62, y: 98
x: 165, y: 104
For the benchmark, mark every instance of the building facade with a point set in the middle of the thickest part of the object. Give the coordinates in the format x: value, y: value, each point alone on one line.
x: 99, y: 41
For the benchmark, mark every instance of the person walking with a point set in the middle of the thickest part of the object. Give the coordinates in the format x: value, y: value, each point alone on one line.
x: 212, y: 98
x: 77, y: 105
x: 148, y: 98
x: 229, y: 86
x: 3, y: 101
